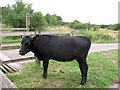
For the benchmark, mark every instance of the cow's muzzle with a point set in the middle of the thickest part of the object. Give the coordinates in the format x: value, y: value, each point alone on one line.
x: 21, y: 53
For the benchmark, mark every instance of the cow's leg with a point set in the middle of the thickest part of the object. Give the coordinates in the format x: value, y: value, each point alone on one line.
x: 45, y: 66
x: 84, y: 68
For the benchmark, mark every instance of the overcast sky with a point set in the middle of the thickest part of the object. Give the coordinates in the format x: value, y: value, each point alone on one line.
x: 93, y: 11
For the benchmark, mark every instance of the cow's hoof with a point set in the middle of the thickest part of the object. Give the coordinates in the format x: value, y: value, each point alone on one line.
x: 44, y: 76
x: 82, y: 82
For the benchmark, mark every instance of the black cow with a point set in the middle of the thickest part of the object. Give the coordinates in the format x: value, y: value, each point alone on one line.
x: 59, y: 48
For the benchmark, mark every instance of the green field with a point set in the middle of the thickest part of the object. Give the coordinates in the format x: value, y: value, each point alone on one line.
x: 103, y: 70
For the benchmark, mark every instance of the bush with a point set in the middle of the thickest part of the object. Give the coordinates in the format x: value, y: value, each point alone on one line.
x: 104, y: 36
x: 96, y: 35
x: 114, y: 27
x: 95, y: 28
x: 77, y: 25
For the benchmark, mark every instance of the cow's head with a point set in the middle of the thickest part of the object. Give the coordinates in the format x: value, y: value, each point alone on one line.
x: 26, y: 45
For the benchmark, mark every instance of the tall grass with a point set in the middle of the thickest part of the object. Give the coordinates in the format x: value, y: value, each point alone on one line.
x: 101, y: 36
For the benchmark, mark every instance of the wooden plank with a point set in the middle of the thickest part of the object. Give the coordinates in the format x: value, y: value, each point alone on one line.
x: 12, y: 68
x: 9, y: 47
x: 53, y: 33
x: 3, y: 34
x: 6, y: 83
x: 4, y: 71
x: 3, y: 57
x: 13, y: 28
x: 16, y: 66
x: 17, y: 60
x: 7, y: 68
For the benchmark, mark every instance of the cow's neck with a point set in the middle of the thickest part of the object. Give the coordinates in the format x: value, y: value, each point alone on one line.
x: 33, y: 48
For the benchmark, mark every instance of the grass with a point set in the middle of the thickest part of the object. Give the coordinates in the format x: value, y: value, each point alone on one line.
x: 11, y: 39
x: 102, y: 71
x: 100, y: 36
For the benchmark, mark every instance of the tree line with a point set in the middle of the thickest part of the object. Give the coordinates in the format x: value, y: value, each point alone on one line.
x: 15, y: 16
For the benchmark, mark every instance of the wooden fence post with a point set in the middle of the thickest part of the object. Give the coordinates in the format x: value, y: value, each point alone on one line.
x: 27, y: 23
x: 73, y: 33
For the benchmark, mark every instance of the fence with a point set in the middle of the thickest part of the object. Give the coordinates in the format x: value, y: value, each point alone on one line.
x: 11, y: 32
x: 4, y: 32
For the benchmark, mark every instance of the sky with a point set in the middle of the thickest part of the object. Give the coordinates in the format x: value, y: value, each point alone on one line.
x: 93, y: 11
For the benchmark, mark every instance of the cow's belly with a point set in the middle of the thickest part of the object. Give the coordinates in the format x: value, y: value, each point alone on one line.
x: 62, y: 56
x: 62, y: 59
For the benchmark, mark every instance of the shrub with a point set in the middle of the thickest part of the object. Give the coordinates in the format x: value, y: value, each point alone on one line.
x: 96, y: 35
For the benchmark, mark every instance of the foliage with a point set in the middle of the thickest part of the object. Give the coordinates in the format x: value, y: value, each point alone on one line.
x: 95, y: 27
x: 53, y: 20
x: 67, y: 74
x: 96, y: 35
x: 15, y: 15
x: 104, y: 26
x: 38, y: 21
x: 114, y: 27
x: 88, y: 26
x: 48, y: 17
x: 78, y: 25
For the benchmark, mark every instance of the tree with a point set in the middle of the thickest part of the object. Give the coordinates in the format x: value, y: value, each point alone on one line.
x: 53, y: 19
x: 77, y: 25
x: 15, y: 15
x: 47, y: 18
x: 59, y: 20
x: 38, y: 21
x: 8, y: 15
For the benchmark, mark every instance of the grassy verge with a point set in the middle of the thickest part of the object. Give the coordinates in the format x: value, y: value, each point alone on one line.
x: 100, y: 36
x: 102, y: 71
x: 10, y: 39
